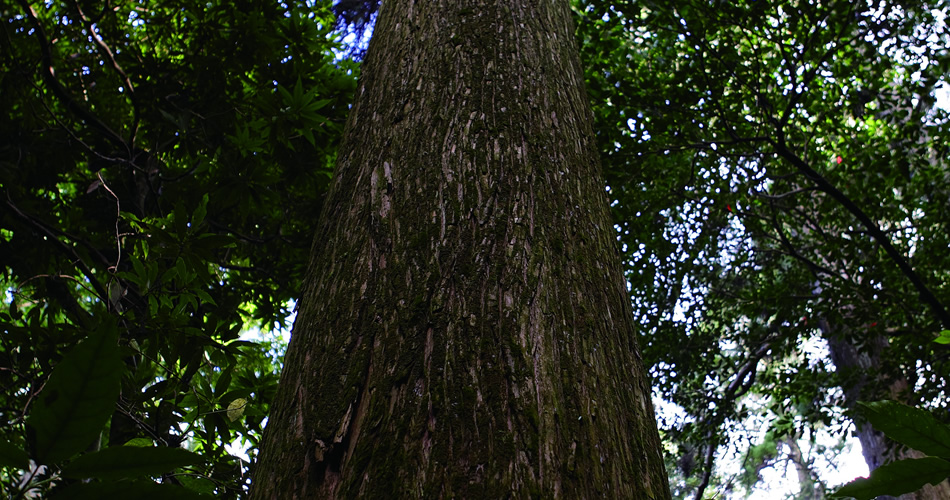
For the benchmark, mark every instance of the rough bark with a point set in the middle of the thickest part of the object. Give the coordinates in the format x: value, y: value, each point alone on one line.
x: 465, y: 329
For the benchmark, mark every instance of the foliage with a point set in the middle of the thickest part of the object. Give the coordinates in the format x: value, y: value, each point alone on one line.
x: 160, y: 165
x: 912, y: 427
x: 779, y: 180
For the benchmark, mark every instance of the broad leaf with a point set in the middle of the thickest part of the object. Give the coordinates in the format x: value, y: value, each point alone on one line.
x: 130, y: 461
x: 138, y: 490
x: 897, y: 478
x: 911, y: 426
x: 197, y: 484
x: 13, y: 456
x: 236, y: 409
x: 77, y: 400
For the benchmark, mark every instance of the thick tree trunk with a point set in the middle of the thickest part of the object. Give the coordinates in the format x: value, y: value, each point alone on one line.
x: 465, y: 329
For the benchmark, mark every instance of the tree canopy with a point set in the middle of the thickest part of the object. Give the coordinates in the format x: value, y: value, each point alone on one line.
x: 161, y: 164
x: 778, y: 171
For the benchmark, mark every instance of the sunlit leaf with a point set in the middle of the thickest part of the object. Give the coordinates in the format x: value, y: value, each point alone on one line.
x: 897, y: 478
x: 236, y: 409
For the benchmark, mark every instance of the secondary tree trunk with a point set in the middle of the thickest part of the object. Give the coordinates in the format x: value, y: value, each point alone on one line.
x: 465, y: 329
x: 867, y: 379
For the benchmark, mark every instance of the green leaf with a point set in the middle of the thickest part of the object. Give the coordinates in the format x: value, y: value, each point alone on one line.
x: 897, y: 478
x: 298, y: 98
x: 199, y: 215
x: 224, y: 381
x: 944, y: 337
x: 12, y: 456
x: 286, y: 96
x: 130, y: 461
x: 203, y: 295
x: 317, y: 105
x: 910, y: 426
x: 77, y: 400
x: 236, y: 409
x: 197, y: 484
x: 308, y: 134
x: 139, y: 490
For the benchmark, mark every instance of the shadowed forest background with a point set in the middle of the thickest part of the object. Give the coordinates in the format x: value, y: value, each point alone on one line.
x: 777, y: 172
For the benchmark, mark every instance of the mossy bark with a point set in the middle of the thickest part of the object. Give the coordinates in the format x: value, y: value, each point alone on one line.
x: 465, y: 329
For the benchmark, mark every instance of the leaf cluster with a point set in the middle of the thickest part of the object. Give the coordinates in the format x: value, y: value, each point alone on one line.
x: 161, y: 164
x: 777, y: 172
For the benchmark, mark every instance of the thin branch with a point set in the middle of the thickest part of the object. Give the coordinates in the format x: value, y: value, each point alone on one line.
x: 707, y: 467
x: 793, y: 251
x: 77, y: 260
x: 118, y: 217
x: 745, y: 377
x: 703, y: 145
x: 110, y: 55
x: 59, y: 90
x: 760, y: 194
x: 873, y: 229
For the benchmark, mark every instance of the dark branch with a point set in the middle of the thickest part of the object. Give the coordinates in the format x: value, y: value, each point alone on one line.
x: 60, y: 91
x: 873, y: 229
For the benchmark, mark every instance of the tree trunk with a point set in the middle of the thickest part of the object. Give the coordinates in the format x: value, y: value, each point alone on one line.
x: 807, y: 489
x: 465, y: 329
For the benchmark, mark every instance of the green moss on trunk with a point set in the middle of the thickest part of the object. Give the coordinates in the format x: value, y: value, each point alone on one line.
x: 465, y: 330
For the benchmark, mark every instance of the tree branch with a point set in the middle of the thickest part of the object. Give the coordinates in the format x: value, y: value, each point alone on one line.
x: 110, y: 55
x: 873, y: 229
x: 60, y: 91
x: 77, y: 260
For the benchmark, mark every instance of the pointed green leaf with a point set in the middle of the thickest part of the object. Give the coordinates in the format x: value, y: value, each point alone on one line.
x: 197, y: 484
x: 77, y: 400
x: 203, y: 295
x: 285, y: 95
x: 910, y: 426
x: 139, y: 268
x: 130, y: 461
x: 897, y: 478
x: 13, y: 456
x: 308, y: 134
x: 319, y: 104
x: 298, y: 94
x: 139, y: 490
x: 199, y: 216
x: 224, y: 381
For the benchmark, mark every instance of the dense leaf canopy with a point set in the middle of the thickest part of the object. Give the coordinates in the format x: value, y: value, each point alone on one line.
x: 780, y: 182
x: 161, y: 164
